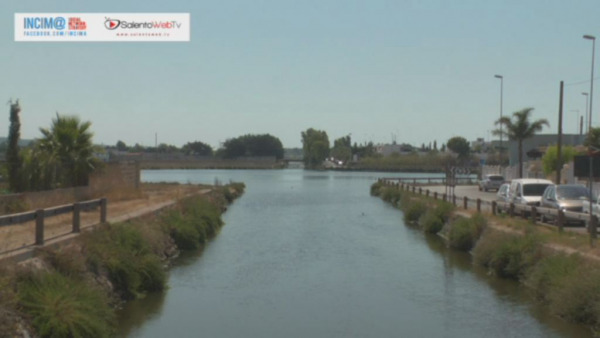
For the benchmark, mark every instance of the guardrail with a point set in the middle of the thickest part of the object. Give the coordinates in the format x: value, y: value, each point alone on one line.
x: 525, y: 211
x: 41, y: 214
x: 433, y: 180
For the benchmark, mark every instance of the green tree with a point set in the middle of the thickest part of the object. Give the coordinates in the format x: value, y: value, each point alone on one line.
x: 13, y: 158
x: 593, y: 138
x: 67, y: 151
x: 121, y: 146
x: 315, y: 144
x: 460, y: 146
x: 252, y: 145
x: 197, y: 148
x: 520, y: 129
x: 342, y: 149
x: 550, y: 158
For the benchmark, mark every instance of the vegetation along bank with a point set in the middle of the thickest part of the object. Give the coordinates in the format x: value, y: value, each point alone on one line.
x: 560, y: 269
x: 74, y: 290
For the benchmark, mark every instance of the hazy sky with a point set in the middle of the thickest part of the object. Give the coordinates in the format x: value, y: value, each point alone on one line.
x: 422, y: 70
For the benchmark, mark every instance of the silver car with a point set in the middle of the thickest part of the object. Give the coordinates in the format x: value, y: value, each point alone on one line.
x: 502, y: 196
x: 491, y: 182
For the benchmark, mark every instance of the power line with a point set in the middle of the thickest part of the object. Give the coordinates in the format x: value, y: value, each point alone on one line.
x: 580, y: 82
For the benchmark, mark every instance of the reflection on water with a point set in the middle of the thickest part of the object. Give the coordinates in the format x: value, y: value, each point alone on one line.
x: 311, y: 254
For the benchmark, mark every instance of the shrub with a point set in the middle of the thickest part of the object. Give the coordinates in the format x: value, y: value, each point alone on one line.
x: 431, y: 222
x: 128, y: 259
x: 464, y: 232
x: 376, y: 188
x: 391, y: 195
x: 434, y: 219
x: 65, y: 307
x: 549, y: 273
x: 578, y: 296
x: 413, y: 209
x: 508, y: 255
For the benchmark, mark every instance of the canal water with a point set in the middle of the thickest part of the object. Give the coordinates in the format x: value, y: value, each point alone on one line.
x: 312, y: 254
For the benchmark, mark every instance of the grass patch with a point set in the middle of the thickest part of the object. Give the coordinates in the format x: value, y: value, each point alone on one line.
x: 128, y: 259
x: 550, y: 272
x: 60, y: 306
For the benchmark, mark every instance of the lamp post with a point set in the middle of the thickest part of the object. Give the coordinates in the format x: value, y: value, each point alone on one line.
x: 593, y: 38
x: 501, y: 93
x: 587, y: 127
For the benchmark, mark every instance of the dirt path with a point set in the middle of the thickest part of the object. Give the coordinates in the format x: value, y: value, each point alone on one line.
x: 20, y: 237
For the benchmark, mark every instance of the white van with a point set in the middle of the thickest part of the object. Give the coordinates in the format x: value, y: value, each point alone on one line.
x: 527, y: 190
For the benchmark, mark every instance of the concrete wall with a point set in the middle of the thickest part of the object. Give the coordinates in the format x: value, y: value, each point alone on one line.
x: 115, y: 181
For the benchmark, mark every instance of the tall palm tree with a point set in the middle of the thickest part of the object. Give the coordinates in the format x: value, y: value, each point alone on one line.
x: 520, y: 129
x: 69, y: 150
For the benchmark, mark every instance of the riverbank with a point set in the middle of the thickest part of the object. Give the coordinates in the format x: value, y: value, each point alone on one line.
x: 561, y: 272
x: 73, y: 290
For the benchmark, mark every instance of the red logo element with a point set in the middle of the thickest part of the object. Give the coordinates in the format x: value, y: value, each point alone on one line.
x: 111, y: 24
x: 77, y: 24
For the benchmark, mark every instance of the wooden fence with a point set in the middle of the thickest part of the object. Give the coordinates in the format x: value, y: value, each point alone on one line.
x: 525, y: 211
x: 40, y: 215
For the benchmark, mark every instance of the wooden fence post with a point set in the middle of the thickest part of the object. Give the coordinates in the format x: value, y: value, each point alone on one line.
x: 494, y: 207
x: 479, y: 205
x: 103, y: 205
x: 560, y: 220
x: 592, y: 229
x: 76, y: 217
x: 533, y: 214
x: 420, y: 191
x: 427, y: 193
x: 39, y: 227
x: 465, y: 202
x: 435, y: 195
x: 445, y: 197
x: 511, y: 210
x: 454, y: 200
x: 414, y: 188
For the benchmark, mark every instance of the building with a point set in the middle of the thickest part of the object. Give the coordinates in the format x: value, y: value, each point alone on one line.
x: 537, y: 141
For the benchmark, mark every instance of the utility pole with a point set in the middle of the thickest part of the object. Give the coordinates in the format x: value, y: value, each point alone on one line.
x: 560, y: 114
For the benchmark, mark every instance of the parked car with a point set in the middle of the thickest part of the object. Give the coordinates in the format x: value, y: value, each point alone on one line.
x: 502, y: 196
x: 567, y: 197
x: 595, y: 208
x: 527, y: 191
x: 491, y: 182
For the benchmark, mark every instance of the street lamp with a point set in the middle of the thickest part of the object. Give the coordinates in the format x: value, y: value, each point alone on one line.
x: 593, y: 38
x: 501, y: 92
x: 586, y: 109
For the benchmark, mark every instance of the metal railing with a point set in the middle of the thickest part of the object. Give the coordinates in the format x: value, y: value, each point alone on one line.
x: 41, y: 214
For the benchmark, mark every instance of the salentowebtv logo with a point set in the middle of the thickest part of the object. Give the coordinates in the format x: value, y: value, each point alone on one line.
x: 113, y: 24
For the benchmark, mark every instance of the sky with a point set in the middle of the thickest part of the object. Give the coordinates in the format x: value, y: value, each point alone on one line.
x: 413, y: 71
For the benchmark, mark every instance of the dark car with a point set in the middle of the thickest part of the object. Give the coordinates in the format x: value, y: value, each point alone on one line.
x: 491, y: 182
x: 567, y: 197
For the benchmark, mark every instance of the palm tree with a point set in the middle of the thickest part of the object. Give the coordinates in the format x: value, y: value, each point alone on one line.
x: 68, y: 151
x: 520, y: 129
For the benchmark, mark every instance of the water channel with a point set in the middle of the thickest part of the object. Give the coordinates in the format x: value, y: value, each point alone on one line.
x: 312, y: 254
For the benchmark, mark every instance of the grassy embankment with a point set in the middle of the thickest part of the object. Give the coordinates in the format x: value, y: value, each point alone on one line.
x: 73, y: 291
x: 405, y: 163
x: 556, y: 267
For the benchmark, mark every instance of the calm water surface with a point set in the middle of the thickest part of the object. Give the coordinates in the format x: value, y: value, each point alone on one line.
x: 311, y: 254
